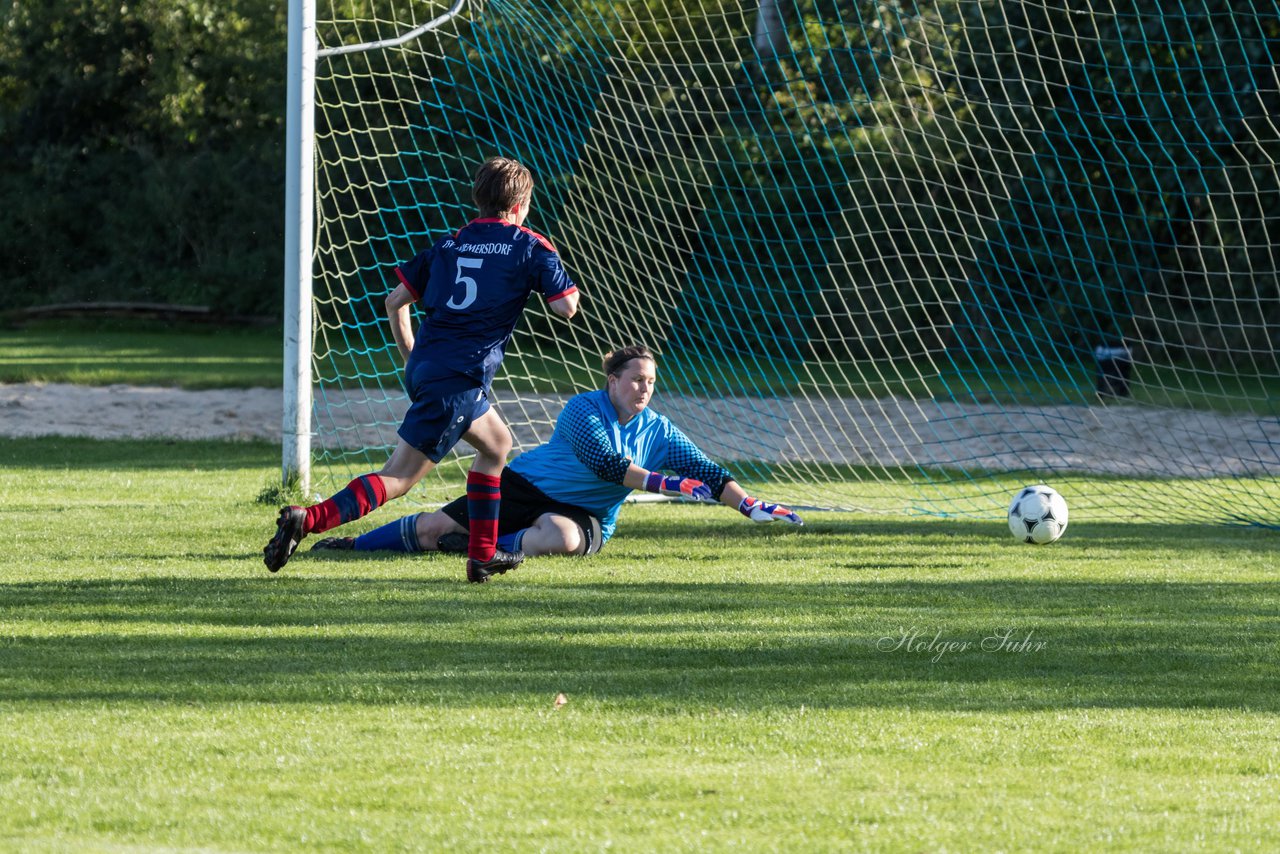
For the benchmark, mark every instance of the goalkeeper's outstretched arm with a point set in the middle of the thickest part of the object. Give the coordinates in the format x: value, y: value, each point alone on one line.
x: 688, y: 459
x: 675, y: 486
x: 731, y: 495
x: 753, y: 508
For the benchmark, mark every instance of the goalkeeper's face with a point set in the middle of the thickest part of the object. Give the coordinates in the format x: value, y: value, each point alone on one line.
x: 631, y: 387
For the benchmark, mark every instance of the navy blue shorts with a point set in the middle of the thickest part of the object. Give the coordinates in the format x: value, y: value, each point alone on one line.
x: 439, y: 414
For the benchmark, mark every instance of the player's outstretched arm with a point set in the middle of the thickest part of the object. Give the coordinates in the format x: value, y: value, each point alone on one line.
x: 567, y: 305
x: 754, y: 509
x: 676, y: 487
x: 762, y: 511
x: 398, y: 303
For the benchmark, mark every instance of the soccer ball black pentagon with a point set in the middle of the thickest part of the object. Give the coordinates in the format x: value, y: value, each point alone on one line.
x: 1038, y: 515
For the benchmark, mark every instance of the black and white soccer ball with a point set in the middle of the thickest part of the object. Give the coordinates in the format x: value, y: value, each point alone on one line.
x: 1038, y: 515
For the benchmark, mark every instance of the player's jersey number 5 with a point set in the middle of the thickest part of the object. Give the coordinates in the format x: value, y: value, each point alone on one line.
x: 469, y: 295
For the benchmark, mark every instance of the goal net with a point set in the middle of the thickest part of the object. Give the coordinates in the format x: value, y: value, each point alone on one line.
x: 893, y: 256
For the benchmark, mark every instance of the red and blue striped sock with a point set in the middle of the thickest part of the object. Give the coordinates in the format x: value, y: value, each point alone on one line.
x: 483, y: 500
x: 360, y: 498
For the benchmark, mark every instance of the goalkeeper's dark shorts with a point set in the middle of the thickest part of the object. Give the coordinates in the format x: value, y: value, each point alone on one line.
x: 522, y: 503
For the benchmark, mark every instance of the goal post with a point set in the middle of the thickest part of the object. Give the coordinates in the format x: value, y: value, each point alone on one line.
x: 894, y: 257
x: 299, y: 244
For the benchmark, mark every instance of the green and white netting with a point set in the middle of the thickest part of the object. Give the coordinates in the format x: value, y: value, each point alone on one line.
x: 880, y: 247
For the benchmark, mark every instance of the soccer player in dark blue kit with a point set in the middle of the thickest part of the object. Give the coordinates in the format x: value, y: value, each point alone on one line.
x: 471, y: 288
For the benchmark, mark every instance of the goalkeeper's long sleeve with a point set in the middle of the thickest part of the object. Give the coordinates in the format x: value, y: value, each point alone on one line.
x: 687, y: 460
x: 584, y: 428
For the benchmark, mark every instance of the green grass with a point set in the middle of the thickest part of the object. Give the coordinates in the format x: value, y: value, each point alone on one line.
x: 187, y: 355
x: 197, y: 356
x: 728, y: 685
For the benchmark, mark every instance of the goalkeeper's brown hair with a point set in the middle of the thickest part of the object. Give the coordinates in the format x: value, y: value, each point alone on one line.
x: 614, y: 362
x: 500, y: 185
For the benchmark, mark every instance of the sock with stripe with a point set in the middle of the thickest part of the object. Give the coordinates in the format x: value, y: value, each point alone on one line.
x: 483, y: 497
x: 398, y: 536
x: 360, y: 498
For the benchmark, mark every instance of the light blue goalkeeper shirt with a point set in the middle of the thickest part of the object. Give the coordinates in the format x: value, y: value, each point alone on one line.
x: 587, y: 456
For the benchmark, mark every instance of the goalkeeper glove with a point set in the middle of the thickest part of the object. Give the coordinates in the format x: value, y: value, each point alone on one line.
x: 760, y: 511
x: 681, y: 487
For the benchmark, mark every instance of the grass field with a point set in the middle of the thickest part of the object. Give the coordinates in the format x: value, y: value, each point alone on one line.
x: 188, y: 355
x: 727, y: 685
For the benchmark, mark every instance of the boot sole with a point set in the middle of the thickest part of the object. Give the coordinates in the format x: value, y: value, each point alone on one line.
x: 277, y: 552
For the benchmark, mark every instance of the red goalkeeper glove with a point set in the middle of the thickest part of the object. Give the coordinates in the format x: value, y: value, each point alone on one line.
x: 680, y: 487
x: 760, y: 511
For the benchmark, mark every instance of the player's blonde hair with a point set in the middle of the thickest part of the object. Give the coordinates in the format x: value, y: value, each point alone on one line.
x: 500, y: 185
x: 614, y: 362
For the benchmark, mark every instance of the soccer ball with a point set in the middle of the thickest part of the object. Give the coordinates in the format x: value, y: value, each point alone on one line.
x: 1037, y: 515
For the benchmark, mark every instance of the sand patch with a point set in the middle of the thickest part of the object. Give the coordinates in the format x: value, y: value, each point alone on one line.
x: 890, y: 432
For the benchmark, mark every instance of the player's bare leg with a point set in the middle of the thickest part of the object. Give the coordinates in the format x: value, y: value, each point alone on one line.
x: 406, y: 467
x: 553, y: 534
x: 431, y: 528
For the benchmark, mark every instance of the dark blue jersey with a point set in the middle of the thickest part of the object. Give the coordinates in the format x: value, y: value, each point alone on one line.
x: 472, y: 287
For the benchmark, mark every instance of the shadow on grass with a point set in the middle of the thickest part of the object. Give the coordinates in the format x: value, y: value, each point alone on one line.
x: 677, y: 646
x: 63, y: 452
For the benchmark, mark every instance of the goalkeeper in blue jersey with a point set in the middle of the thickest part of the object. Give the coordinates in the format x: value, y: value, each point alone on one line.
x: 563, y: 497
x: 472, y: 287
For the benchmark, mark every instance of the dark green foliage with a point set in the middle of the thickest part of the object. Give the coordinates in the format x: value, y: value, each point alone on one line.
x: 1144, y: 206
x: 143, y: 154
x: 195, y: 226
